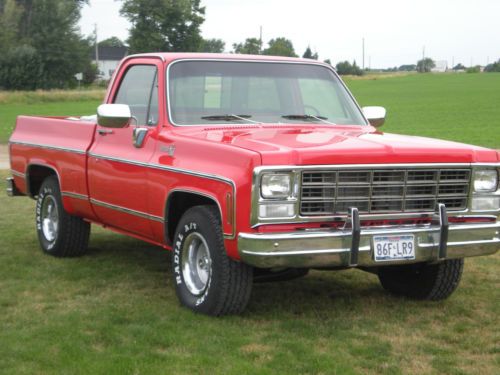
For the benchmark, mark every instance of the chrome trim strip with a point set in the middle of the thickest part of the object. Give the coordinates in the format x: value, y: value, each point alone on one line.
x: 17, y: 174
x: 75, y: 195
x: 49, y: 147
x: 326, y: 167
x: 126, y: 210
x: 317, y: 63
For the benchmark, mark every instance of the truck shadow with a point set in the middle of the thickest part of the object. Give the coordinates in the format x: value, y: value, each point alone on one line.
x: 318, y: 291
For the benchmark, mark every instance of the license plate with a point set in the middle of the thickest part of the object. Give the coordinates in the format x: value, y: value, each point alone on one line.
x: 387, y: 248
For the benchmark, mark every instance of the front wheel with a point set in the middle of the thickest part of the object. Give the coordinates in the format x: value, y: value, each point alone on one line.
x: 432, y: 282
x: 206, y: 279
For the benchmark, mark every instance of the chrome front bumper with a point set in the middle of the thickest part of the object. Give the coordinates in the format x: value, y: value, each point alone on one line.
x: 353, y: 246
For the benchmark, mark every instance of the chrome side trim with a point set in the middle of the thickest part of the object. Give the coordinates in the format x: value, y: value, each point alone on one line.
x: 228, y: 181
x: 49, y: 147
x: 75, y: 195
x: 126, y: 210
x: 17, y: 174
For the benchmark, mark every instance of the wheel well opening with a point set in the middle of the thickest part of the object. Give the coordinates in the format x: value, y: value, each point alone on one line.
x: 178, y: 203
x: 36, y: 174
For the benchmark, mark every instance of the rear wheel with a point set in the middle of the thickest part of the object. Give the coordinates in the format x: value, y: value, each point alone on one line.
x: 432, y: 282
x: 59, y: 233
x: 206, y: 280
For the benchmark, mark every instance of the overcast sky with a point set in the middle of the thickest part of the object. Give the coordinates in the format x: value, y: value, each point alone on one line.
x: 395, y: 31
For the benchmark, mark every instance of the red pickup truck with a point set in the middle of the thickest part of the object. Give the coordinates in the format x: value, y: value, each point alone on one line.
x: 256, y: 168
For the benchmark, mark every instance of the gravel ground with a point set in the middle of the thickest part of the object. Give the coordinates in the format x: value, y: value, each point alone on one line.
x: 4, y: 157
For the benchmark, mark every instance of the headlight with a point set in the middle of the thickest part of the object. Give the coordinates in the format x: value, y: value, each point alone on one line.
x: 276, y: 185
x: 485, y: 180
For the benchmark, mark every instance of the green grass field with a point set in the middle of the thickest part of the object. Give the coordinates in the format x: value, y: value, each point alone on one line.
x: 458, y: 107
x: 114, y: 311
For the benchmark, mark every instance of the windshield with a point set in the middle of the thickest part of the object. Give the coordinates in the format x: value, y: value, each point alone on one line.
x: 218, y: 92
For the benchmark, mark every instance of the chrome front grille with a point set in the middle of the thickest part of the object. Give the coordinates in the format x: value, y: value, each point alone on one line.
x: 333, y: 192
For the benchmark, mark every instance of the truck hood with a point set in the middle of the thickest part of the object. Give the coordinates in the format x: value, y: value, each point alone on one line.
x: 315, y: 145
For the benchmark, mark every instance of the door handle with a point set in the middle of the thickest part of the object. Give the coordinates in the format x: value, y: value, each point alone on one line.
x: 104, y: 131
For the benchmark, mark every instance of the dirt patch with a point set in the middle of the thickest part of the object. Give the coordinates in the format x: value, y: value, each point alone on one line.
x: 4, y: 157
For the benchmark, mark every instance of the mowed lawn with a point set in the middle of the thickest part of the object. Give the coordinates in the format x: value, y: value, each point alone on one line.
x: 114, y: 311
x: 458, y: 107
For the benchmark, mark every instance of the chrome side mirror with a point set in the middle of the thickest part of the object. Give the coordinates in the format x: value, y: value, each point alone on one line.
x: 114, y: 115
x: 138, y: 136
x: 375, y: 115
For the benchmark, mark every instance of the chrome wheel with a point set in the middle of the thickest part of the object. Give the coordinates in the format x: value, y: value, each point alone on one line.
x: 196, y: 263
x: 49, y: 218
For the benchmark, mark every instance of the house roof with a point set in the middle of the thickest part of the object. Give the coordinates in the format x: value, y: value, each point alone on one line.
x: 110, y: 53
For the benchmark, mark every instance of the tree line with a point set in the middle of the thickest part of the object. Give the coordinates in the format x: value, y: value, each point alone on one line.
x: 43, y: 48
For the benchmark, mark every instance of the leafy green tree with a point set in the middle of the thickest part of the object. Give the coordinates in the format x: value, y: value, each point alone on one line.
x: 21, y: 68
x: 328, y: 61
x: 495, y: 67
x: 425, y: 65
x: 212, y: 45
x: 459, y: 66
x: 280, y: 47
x: 251, y: 46
x: 45, y: 32
x: 407, y: 68
x: 10, y: 16
x: 111, y: 42
x: 164, y: 25
x: 309, y: 55
x: 346, y: 68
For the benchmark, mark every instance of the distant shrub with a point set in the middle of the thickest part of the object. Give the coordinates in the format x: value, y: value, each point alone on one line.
x: 20, y: 68
x: 346, y: 68
x: 474, y: 69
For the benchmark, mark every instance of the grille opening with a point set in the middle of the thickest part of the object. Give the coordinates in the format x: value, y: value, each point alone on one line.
x: 454, y: 175
x: 388, y: 176
x: 318, y: 192
x: 421, y: 190
x: 353, y: 191
x: 343, y: 206
x: 355, y: 176
x: 387, y: 191
x: 453, y: 189
x: 312, y: 178
x: 422, y: 175
x: 317, y: 208
x: 420, y: 204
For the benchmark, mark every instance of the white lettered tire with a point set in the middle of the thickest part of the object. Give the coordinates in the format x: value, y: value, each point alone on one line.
x: 59, y: 233
x: 206, y: 280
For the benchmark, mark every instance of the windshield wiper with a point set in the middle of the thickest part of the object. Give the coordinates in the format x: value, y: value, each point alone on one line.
x: 308, y: 117
x: 230, y: 117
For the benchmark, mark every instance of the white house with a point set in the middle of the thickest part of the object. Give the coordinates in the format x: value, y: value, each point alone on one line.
x: 109, y: 57
x: 441, y: 67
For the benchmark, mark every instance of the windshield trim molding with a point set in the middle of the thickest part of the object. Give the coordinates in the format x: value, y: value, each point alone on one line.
x: 225, y: 123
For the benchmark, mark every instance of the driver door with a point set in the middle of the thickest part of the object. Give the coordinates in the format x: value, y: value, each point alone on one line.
x: 117, y: 169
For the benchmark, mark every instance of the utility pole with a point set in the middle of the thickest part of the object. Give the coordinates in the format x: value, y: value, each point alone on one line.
x: 260, y: 38
x: 363, y: 53
x: 96, y: 47
x: 422, y: 68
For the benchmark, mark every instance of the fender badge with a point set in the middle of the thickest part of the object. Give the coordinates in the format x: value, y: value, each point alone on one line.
x: 170, y: 150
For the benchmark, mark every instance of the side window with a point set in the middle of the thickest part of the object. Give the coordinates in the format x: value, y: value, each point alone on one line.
x: 139, y: 90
